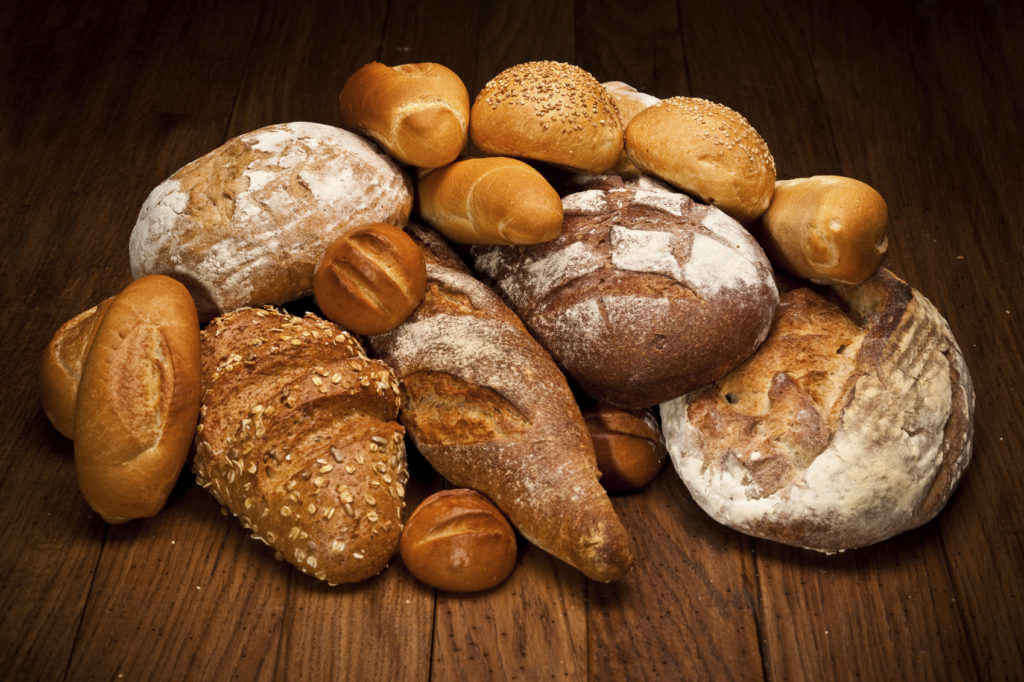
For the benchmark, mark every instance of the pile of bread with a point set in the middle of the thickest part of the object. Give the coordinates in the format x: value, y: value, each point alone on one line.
x: 577, y: 299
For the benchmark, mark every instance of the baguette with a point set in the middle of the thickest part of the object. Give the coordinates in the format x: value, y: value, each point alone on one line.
x: 827, y: 228
x: 489, y: 409
x: 493, y: 200
x: 138, y: 400
x: 419, y: 113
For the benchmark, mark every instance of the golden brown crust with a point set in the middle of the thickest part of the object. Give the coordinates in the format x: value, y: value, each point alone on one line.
x: 629, y: 446
x: 298, y: 439
x: 138, y: 400
x: 629, y: 101
x: 548, y: 111
x: 61, y: 367
x: 828, y: 229
x: 370, y: 279
x: 419, y: 113
x: 851, y: 424
x: 519, y: 439
x: 457, y: 540
x: 707, y: 150
x: 493, y: 200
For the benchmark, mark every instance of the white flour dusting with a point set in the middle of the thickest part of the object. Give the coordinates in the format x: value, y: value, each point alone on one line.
x: 644, y: 251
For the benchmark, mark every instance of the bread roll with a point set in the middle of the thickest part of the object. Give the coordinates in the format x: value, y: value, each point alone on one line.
x: 629, y: 446
x: 246, y: 223
x: 490, y: 411
x: 61, y: 367
x: 493, y: 200
x: 852, y: 423
x: 827, y: 228
x: 457, y: 540
x: 548, y: 111
x: 629, y: 101
x: 370, y: 279
x: 644, y: 296
x: 707, y: 150
x: 298, y: 439
x: 419, y: 113
x: 138, y: 400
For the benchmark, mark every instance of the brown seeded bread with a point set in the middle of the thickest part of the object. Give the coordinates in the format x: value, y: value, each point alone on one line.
x: 548, y: 111
x: 246, y: 223
x: 298, y: 439
x: 61, y: 367
x: 851, y: 424
x: 419, y: 113
x: 490, y: 411
x: 138, y: 400
x: 645, y: 295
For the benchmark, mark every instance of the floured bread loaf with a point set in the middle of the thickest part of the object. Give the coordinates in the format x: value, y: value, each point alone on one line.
x: 246, y: 223
x: 852, y: 423
x: 644, y: 296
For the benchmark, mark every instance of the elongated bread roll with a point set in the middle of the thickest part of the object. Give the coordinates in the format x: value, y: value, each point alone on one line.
x: 138, y: 400
x: 827, y: 228
x: 489, y: 409
x: 630, y: 102
x: 494, y: 200
x: 419, y: 113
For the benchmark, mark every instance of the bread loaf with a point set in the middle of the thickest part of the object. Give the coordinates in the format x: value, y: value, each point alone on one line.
x: 138, y: 400
x: 61, y: 367
x: 629, y: 101
x: 548, y: 111
x: 490, y: 411
x: 707, y: 150
x: 644, y: 296
x: 370, y: 279
x: 851, y: 424
x: 827, y: 228
x: 629, y: 446
x: 298, y: 439
x: 419, y: 113
x: 457, y: 540
x: 246, y: 223
x: 493, y: 200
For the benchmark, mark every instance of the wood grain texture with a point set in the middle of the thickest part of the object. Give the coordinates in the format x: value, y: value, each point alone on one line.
x: 101, y: 101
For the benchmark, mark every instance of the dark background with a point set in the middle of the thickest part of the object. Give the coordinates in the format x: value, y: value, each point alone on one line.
x: 103, y: 100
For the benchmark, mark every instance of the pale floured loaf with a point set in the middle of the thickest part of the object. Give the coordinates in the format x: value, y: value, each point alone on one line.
x: 246, y: 223
x: 644, y: 296
x: 851, y: 424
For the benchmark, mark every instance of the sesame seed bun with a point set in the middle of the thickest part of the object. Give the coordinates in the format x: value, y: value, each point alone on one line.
x: 548, y: 111
x: 707, y: 150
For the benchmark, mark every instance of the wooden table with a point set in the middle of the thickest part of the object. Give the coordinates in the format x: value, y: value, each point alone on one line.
x: 103, y: 100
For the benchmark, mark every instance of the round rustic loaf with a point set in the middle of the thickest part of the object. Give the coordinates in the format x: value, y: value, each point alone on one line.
x: 852, y: 423
x: 246, y: 223
x: 644, y: 296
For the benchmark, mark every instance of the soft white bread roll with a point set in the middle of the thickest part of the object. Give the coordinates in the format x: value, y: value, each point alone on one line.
x: 630, y: 102
x: 61, y: 367
x: 852, y: 423
x: 419, y: 113
x: 707, y: 150
x: 548, y: 111
x: 492, y: 200
x: 138, y: 401
x: 246, y: 223
x: 826, y: 228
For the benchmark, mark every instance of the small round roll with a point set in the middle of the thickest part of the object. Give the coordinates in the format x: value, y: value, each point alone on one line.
x: 419, y: 113
x: 492, y: 200
x: 138, y: 400
x: 630, y: 102
x: 707, y: 150
x: 548, y: 111
x: 827, y: 228
x: 61, y: 367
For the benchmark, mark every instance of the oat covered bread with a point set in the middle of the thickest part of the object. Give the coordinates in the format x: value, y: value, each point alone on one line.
x: 489, y: 409
x: 644, y: 296
x: 246, y: 223
x: 852, y: 423
x: 298, y: 438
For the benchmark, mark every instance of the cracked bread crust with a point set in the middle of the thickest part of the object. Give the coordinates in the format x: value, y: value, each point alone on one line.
x: 851, y: 424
